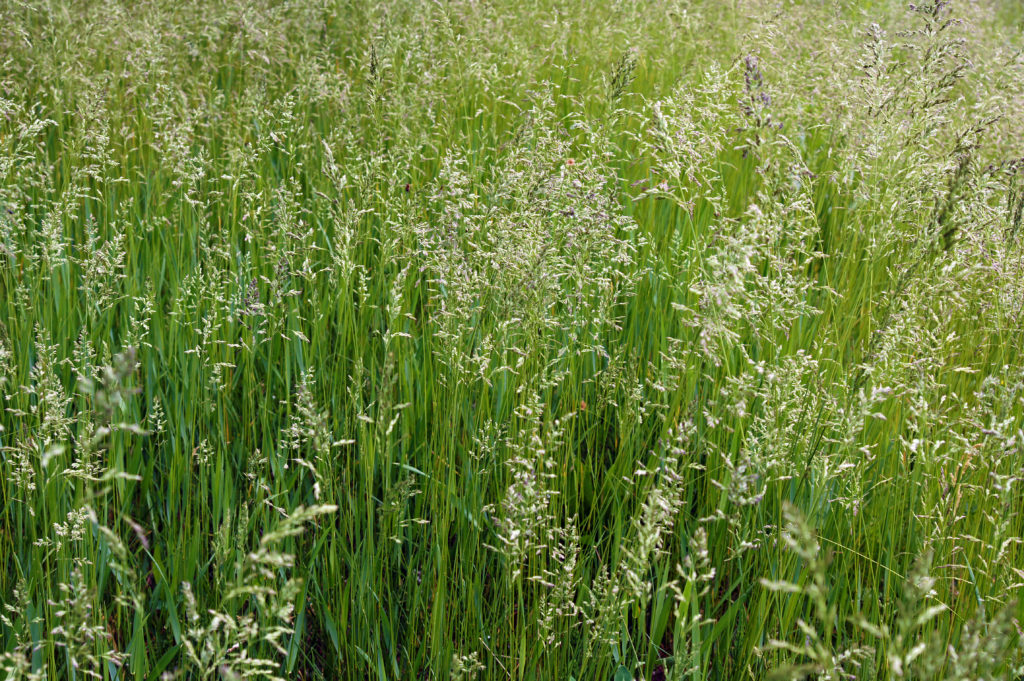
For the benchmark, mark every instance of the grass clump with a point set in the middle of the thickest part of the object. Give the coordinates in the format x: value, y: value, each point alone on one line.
x: 511, y: 341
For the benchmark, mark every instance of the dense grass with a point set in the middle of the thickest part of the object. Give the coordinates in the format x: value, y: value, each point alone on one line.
x: 528, y: 340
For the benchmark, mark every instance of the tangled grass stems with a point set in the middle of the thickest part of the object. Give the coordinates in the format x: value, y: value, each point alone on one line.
x: 504, y: 340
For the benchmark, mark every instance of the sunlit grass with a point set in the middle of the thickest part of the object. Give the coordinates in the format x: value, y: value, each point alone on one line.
x: 511, y: 340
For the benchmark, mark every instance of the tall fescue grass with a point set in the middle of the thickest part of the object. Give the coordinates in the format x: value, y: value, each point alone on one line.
x: 511, y: 340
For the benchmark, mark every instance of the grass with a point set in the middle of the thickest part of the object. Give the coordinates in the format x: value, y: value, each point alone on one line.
x: 511, y: 340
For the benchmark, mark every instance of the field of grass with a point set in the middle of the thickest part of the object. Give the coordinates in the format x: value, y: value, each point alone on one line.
x: 511, y: 339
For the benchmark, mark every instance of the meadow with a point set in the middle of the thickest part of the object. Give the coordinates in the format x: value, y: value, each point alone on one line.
x: 563, y: 340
